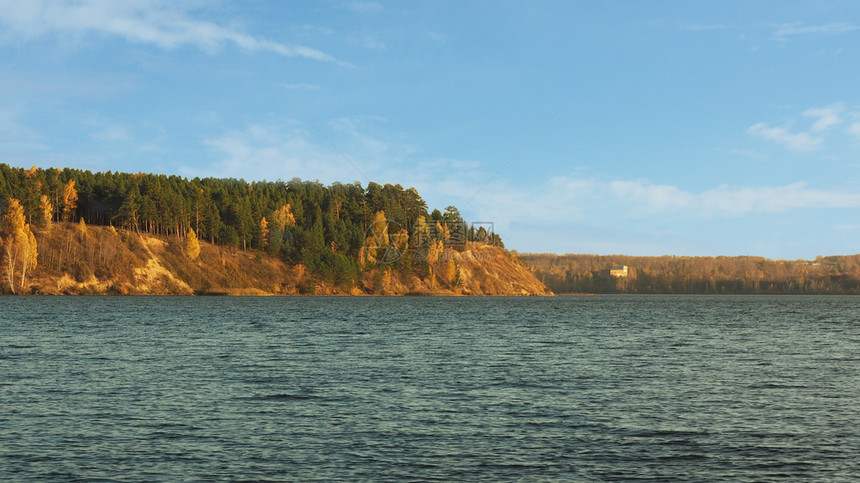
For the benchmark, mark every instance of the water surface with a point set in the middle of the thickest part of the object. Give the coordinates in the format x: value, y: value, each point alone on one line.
x: 429, y: 388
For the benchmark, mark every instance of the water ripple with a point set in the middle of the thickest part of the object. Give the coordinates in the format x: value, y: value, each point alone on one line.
x: 429, y: 389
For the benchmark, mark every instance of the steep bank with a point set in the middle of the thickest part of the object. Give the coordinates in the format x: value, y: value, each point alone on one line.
x: 76, y: 259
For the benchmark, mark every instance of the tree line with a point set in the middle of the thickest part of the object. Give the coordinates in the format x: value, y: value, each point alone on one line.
x: 336, y: 231
x: 701, y: 275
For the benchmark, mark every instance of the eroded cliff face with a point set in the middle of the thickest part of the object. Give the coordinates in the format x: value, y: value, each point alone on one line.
x: 479, y: 270
x: 103, y: 260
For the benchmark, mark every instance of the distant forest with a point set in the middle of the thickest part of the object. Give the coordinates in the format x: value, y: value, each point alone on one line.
x: 336, y: 231
x: 697, y: 275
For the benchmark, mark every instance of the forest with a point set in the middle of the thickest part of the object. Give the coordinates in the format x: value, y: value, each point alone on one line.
x: 697, y: 275
x: 336, y: 232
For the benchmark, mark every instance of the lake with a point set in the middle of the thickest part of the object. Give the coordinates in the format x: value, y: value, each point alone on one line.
x: 562, y: 388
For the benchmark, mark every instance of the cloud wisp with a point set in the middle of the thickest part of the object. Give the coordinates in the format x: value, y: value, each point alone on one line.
x: 827, y: 117
x: 798, y: 141
x: 270, y: 152
x: 824, y: 120
x: 799, y: 28
x: 300, y: 149
x: 156, y: 22
x: 565, y: 198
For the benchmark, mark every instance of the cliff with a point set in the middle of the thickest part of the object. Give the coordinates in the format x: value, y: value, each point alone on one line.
x: 77, y: 259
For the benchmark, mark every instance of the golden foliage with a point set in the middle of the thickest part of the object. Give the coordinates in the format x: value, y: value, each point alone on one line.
x: 379, y: 229
x: 421, y: 233
x: 377, y: 239
x: 264, y: 231
x: 434, y: 251
x: 282, y: 218
x: 444, y: 231
x: 21, y: 251
x: 70, y: 200
x: 47, y: 209
x: 401, y: 240
x: 32, y: 250
x: 14, y: 219
x: 451, y: 271
x: 386, y: 281
x: 192, y: 245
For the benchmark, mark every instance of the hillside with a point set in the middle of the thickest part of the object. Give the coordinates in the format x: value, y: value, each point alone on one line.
x: 87, y: 232
x: 705, y: 275
x: 80, y: 259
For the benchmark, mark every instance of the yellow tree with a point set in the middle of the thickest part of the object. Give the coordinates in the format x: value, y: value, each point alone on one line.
x: 282, y: 218
x: 377, y: 239
x: 47, y: 210
x: 32, y: 256
x: 20, y: 249
x: 70, y: 201
x: 421, y: 233
x: 434, y: 250
x: 452, y: 272
x: 264, y: 231
x: 192, y: 245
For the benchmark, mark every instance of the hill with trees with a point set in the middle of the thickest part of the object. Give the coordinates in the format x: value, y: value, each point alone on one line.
x: 697, y: 275
x: 73, y: 231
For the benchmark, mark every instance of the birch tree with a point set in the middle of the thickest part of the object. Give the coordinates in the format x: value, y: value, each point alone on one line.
x: 21, y: 254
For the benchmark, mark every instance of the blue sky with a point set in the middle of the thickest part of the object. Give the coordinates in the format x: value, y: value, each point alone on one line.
x: 630, y: 127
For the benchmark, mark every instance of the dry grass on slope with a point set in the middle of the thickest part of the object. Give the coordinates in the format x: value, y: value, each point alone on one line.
x: 74, y: 259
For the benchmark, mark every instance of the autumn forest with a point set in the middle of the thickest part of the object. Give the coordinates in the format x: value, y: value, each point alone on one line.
x: 336, y: 233
x: 697, y: 275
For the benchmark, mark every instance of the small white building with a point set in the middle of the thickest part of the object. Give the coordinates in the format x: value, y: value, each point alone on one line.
x: 618, y: 271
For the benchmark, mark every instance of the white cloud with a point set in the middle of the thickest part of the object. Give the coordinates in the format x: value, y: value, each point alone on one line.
x: 655, y: 197
x: 846, y: 227
x: 726, y: 201
x: 827, y: 117
x: 344, y: 152
x: 568, y: 199
x: 162, y: 23
x: 853, y: 129
x: 799, y: 28
x: 800, y: 141
x: 265, y: 152
x: 774, y: 199
x: 823, y: 121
